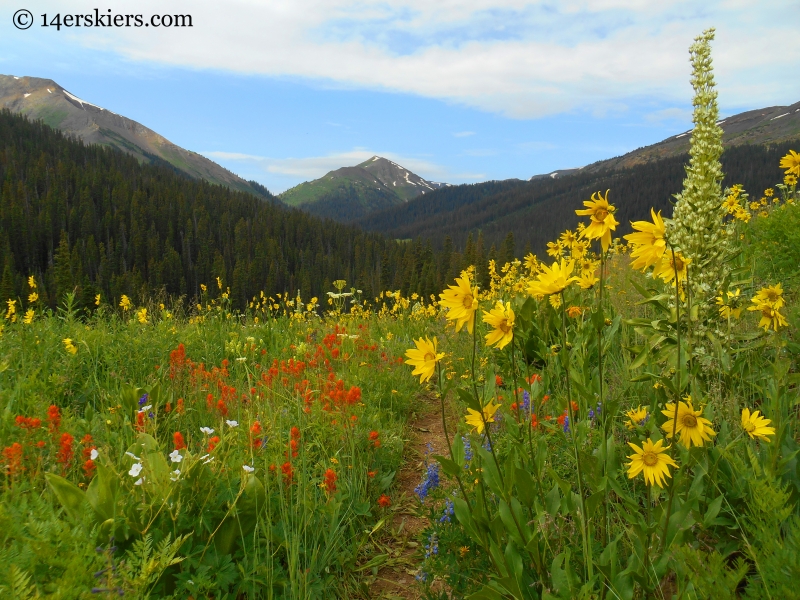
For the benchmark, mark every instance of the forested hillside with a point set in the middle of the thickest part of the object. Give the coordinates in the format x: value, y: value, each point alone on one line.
x: 535, y: 211
x: 95, y: 219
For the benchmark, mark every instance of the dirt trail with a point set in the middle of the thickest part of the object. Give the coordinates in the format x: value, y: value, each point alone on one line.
x: 396, y: 579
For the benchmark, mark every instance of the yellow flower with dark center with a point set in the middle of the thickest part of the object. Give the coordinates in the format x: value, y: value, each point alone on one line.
x: 790, y: 180
x: 31, y: 282
x: 770, y: 316
x: 461, y: 301
x: 553, y: 279
x: 579, y: 249
x: 28, y: 318
x: 589, y: 265
x: 772, y: 295
x: 567, y: 238
x: 667, y: 267
x: 791, y: 162
x: 648, y: 241
x: 475, y: 420
x: 690, y: 425
x: 742, y: 214
x: 769, y: 192
x: 141, y: 315
x: 33, y: 297
x: 602, y: 218
x: 555, y: 249
x: 501, y: 319
x: 69, y: 346
x: 731, y: 203
x: 531, y: 262
x: 729, y: 307
x: 125, y: 303
x: 424, y: 358
x: 755, y: 425
x: 636, y: 417
x: 587, y: 280
x: 652, y: 460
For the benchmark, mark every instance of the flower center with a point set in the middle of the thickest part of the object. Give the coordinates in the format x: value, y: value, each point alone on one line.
x: 429, y: 356
x: 650, y: 459
x: 468, y: 301
x: 689, y: 421
x: 600, y: 214
x: 749, y: 426
x: 505, y: 327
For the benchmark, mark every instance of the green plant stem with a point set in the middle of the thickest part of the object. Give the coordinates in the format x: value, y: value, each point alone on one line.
x: 588, y: 562
x: 446, y: 436
x: 677, y: 399
x: 600, y: 378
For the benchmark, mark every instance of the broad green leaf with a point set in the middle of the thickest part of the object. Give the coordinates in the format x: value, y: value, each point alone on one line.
x: 71, y: 497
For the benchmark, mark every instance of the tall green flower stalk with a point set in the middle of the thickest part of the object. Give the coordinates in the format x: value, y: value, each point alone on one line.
x: 697, y: 227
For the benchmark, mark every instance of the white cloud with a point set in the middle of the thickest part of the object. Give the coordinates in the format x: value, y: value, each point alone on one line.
x: 460, y: 134
x: 518, y: 58
x: 670, y: 114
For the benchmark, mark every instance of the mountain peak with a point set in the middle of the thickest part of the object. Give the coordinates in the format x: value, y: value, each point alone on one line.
x: 352, y: 192
x: 59, y: 108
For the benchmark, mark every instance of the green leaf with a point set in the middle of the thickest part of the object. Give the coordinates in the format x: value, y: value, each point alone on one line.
x: 553, y: 500
x: 458, y: 451
x: 712, y: 512
x: 491, y: 476
x: 448, y: 466
x: 461, y: 509
x: 102, y: 492
x: 469, y: 399
x: 525, y: 486
x: 71, y: 497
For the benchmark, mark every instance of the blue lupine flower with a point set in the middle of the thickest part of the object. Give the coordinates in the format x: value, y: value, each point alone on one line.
x: 467, y: 450
x: 432, y: 547
x: 449, y: 511
x: 526, y: 401
x: 429, y: 482
x: 143, y: 399
x: 591, y: 414
x: 422, y: 577
x: 566, y: 424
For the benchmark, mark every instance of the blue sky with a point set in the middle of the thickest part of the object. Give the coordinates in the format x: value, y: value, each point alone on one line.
x: 457, y: 91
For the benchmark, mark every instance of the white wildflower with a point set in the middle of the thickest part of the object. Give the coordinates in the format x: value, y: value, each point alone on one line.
x: 175, y: 456
x: 135, y: 470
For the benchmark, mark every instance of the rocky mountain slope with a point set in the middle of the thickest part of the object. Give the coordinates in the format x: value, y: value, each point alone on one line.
x: 44, y: 99
x: 352, y: 192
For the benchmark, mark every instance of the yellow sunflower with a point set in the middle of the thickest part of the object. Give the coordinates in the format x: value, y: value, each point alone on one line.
x: 648, y: 241
x: 667, y: 267
x: 770, y: 317
x: 602, y: 219
x: 531, y: 262
x: 475, y: 420
x: 755, y: 425
x: 461, y: 301
x: 729, y: 308
x: 636, y: 417
x: 424, y: 358
x: 555, y: 249
x: 692, y: 428
x: 652, y: 460
x: 791, y: 162
x: 587, y: 280
x: 772, y: 295
x: 553, y: 279
x: 501, y: 318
